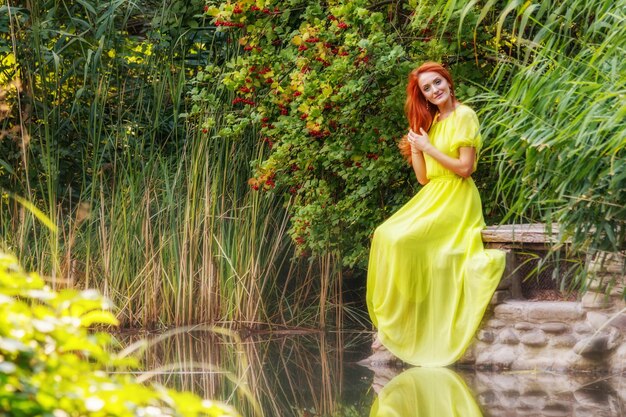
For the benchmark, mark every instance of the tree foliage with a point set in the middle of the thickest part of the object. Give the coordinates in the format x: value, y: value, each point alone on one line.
x: 51, y: 364
x: 87, y: 73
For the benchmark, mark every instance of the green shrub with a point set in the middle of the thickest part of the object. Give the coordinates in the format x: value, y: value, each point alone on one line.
x: 52, y: 365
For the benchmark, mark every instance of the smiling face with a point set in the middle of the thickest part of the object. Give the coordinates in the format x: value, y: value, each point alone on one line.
x: 435, y: 88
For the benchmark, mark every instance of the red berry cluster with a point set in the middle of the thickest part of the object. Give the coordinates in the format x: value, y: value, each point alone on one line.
x: 319, y: 134
x: 275, y: 12
x: 268, y: 181
x: 323, y: 61
x: 302, y: 229
x: 271, y: 181
x: 269, y: 142
x: 253, y: 183
x: 238, y: 100
x: 364, y: 60
x: 219, y: 23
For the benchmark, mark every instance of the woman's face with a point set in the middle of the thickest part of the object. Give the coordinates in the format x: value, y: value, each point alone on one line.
x: 435, y: 87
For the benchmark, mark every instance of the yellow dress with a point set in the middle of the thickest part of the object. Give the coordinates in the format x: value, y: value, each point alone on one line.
x: 421, y: 392
x: 429, y: 279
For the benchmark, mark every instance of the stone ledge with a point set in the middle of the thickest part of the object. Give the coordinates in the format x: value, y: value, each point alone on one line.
x: 522, y: 233
x: 538, y: 310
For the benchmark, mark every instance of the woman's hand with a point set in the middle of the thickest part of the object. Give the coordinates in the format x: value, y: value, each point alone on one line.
x: 418, y: 141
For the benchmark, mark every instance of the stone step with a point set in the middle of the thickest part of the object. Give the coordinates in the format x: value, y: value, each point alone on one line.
x: 539, y: 311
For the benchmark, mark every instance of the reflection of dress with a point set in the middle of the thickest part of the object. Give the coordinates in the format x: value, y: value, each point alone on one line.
x: 420, y: 392
x: 429, y: 278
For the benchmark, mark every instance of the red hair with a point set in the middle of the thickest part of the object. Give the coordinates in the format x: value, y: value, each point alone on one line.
x: 417, y: 112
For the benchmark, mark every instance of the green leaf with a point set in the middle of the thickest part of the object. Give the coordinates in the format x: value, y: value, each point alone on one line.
x: 36, y: 212
x: 98, y: 317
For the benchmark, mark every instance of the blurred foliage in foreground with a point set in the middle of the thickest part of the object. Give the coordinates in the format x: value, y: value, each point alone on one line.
x: 51, y: 365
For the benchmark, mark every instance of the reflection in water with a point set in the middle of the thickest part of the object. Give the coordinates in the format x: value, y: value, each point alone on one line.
x: 309, y: 374
x: 315, y: 375
x: 530, y: 393
x: 425, y: 392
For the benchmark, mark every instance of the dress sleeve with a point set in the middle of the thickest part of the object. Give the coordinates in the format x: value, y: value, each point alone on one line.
x: 467, y: 131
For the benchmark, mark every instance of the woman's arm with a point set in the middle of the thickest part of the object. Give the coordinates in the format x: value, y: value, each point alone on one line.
x: 419, y: 166
x: 462, y: 166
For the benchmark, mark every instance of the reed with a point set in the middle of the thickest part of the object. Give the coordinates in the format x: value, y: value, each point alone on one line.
x: 558, y: 131
x: 151, y: 210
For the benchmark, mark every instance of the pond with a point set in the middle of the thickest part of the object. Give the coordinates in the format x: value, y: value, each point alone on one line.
x: 306, y: 374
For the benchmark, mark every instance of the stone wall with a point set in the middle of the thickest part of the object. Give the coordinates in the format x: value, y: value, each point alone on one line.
x: 588, y: 335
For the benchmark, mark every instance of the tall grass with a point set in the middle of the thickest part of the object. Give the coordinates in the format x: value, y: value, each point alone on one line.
x: 558, y: 124
x: 158, y: 214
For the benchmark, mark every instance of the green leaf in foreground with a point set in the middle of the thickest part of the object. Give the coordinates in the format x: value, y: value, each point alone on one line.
x: 52, y: 365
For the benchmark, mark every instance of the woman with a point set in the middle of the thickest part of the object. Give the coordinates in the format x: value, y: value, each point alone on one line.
x: 429, y: 278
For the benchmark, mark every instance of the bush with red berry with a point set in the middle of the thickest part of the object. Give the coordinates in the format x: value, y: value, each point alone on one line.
x: 324, y: 85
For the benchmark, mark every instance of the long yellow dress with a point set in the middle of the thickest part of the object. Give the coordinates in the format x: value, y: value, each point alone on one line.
x: 425, y: 392
x: 429, y: 278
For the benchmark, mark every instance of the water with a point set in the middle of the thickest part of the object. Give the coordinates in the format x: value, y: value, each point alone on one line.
x: 316, y: 374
